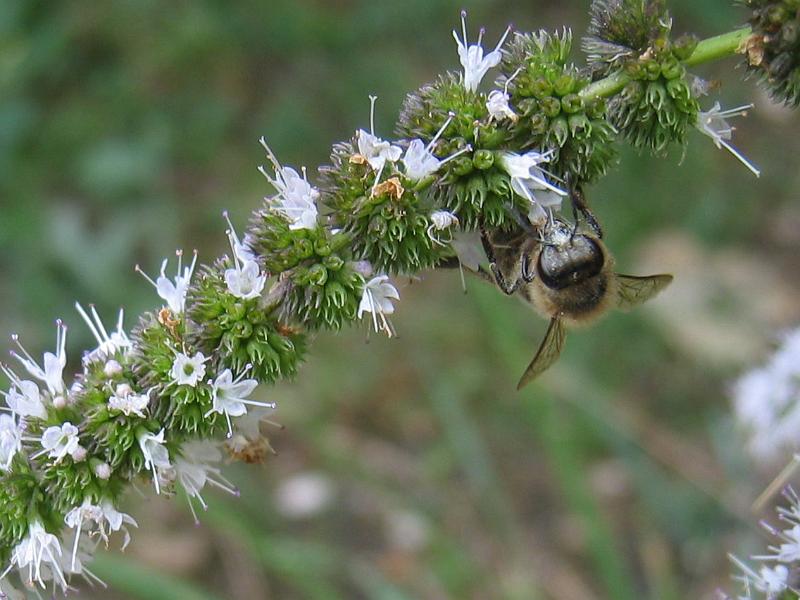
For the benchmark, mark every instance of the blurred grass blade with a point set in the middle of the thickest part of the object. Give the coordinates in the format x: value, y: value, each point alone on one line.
x: 139, y: 581
x: 561, y: 447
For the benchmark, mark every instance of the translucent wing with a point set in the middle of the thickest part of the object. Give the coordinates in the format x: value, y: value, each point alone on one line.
x: 547, y: 353
x: 633, y: 291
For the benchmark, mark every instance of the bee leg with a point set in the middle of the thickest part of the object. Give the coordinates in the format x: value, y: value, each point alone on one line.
x: 508, y: 288
x: 579, y: 204
x: 452, y: 262
x: 528, y: 274
x: 523, y: 221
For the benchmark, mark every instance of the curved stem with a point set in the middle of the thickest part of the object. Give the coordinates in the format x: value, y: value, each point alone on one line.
x: 712, y: 48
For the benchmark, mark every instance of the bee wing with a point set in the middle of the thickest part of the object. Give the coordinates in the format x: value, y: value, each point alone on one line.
x: 633, y: 291
x: 548, y: 352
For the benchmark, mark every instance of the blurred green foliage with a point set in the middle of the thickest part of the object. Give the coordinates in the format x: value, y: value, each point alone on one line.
x: 127, y: 127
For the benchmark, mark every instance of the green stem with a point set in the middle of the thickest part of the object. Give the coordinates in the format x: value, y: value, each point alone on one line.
x: 712, y: 48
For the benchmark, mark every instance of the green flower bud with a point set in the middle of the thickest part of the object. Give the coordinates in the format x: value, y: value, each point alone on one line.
x: 539, y: 123
x: 671, y: 68
x: 541, y: 89
x: 317, y: 275
x: 461, y: 166
x: 483, y: 159
x: 333, y: 262
x: 684, y: 46
x: 572, y: 103
x: 559, y: 131
x: 550, y: 106
x: 564, y: 84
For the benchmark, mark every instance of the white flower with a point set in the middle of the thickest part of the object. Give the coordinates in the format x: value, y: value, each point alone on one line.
x: 473, y: 61
x: 39, y: 553
x: 713, y: 124
x: 244, y: 279
x: 107, y: 345
x: 173, y: 292
x: 789, y: 551
x: 377, y: 299
x: 52, y: 373
x: 105, y: 517
x: 766, y: 403
x: 156, y: 455
x: 230, y: 396
x: 10, y: 440
x: 59, y: 441
x: 188, y: 370
x: 112, y: 368
x: 528, y: 180
x: 440, y: 221
x: 498, y: 107
x: 375, y: 150
x: 498, y: 102
x: 195, y: 468
x: 296, y: 199
x: 127, y: 402
x: 24, y: 397
x: 419, y: 162
x: 773, y: 580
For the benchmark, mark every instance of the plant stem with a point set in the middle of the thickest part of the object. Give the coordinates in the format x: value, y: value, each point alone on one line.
x: 712, y: 48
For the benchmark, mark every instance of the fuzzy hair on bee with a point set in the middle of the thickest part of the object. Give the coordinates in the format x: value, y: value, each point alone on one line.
x: 566, y: 274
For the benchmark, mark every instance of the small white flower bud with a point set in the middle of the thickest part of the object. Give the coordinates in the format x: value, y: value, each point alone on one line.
x: 59, y: 401
x: 123, y: 390
x: 112, y: 369
x: 102, y: 470
x: 79, y: 454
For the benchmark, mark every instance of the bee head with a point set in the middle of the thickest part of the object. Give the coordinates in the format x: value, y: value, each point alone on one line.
x: 576, y: 259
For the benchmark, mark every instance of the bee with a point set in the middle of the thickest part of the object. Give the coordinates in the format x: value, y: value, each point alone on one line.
x: 566, y: 274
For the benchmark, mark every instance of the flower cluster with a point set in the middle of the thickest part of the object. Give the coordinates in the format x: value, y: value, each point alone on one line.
x: 775, y: 576
x: 773, y: 51
x: 551, y: 114
x: 766, y: 403
x: 163, y: 402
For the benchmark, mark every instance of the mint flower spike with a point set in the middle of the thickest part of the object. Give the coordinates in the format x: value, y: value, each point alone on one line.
x: 713, y: 124
x: 419, y: 162
x: 173, y: 292
x: 376, y: 299
x: 296, y: 199
x: 107, y: 345
x: 52, y: 372
x: 473, y: 61
x: 39, y: 553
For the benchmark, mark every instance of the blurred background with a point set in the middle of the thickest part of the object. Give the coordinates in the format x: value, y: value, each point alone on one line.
x: 408, y: 468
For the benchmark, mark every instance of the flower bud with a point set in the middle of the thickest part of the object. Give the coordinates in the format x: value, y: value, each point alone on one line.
x: 483, y: 159
x: 112, y: 368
